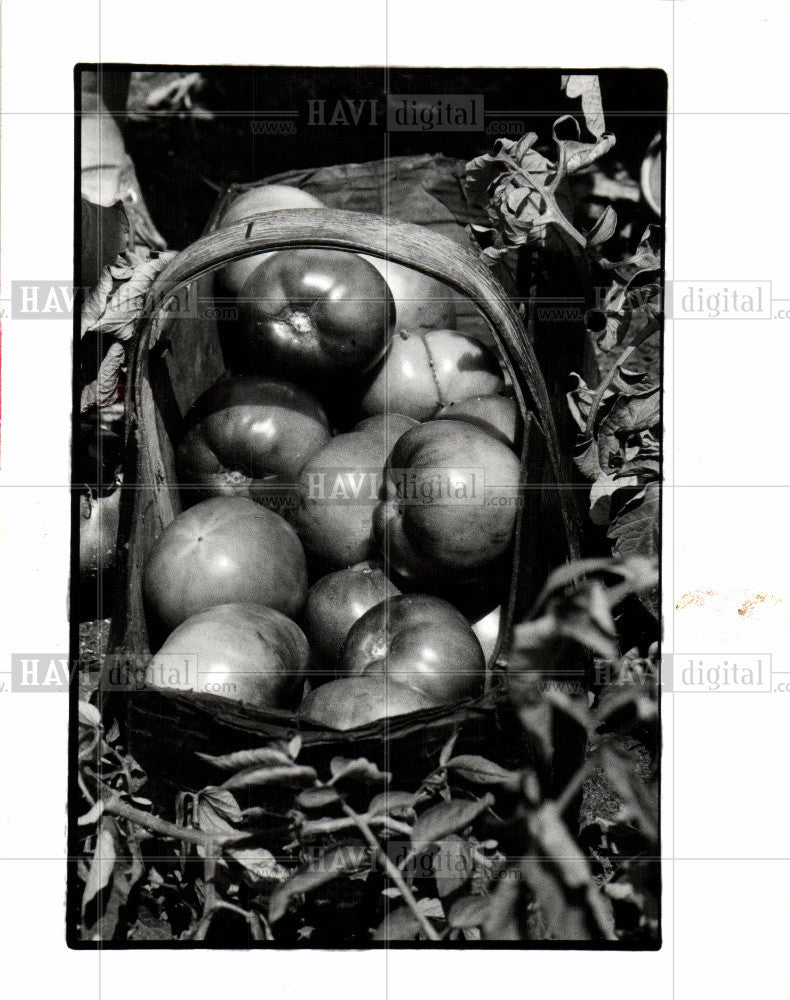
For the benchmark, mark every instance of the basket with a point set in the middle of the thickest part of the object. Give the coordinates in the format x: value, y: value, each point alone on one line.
x: 177, y: 357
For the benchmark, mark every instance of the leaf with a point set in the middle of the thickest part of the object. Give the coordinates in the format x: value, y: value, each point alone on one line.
x: 221, y: 802
x: 400, y: 925
x: 295, y: 746
x: 559, y: 878
x: 253, y: 777
x: 103, y: 861
x: 446, y: 818
x: 393, y: 804
x: 88, y: 715
x: 317, y: 798
x: 484, y: 772
x: 469, y: 911
x: 360, y: 768
x: 92, y: 815
x: 634, y: 530
x: 639, y: 803
x: 587, y: 87
x: 447, y: 749
x: 268, y: 755
x: 259, y: 863
x: 330, y: 865
x: 452, y: 864
x: 604, y: 228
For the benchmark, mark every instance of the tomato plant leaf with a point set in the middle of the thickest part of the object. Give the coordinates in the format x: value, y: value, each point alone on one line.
x: 452, y: 864
x: 317, y: 798
x: 393, y: 804
x: 268, y: 755
x: 88, y: 715
x: 331, y: 864
x: 103, y: 861
x: 290, y: 775
x: 361, y: 768
x: 447, y: 817
x: 481, y: 771
x: 469, y: 911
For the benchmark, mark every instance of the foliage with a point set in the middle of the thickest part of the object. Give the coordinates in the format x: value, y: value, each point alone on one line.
x: 286, y: 851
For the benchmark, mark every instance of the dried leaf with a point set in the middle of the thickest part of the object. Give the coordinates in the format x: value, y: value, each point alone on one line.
x: 330, y: 865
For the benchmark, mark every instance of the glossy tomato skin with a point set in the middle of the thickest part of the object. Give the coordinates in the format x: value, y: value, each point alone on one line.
x: 314, y: 313
x: 226, y: 550
x: 339, y: 489
x: 428, y: 369
x: 248, y: 435
x: 451, y: 495
x: 350, y: 702
x: 263, y: 198
x: 421, y: 303
x: 335, y: 603
x: 245, y: 652
x: 420, y: 641
x: 496, y: 413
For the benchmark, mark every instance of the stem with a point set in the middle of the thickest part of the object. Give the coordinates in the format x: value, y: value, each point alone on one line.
x: 113, y: 804
x: 599, y: 392
x: 408, y: 898
x: 313, y: 827
x: 571, y: 789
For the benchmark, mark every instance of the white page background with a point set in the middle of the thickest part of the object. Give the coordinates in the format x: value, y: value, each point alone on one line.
x: 725, y: 807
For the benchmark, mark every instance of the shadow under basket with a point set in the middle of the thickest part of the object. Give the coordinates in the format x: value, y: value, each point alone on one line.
x: 178, y: 355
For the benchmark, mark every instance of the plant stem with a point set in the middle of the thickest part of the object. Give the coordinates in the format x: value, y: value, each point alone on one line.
x: 408, y: 897
x: 115, y: 805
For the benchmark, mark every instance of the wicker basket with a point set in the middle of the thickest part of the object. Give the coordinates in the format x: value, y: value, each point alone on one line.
x: 177, y: 357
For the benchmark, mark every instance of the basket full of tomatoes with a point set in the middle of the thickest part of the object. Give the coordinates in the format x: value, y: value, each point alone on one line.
x: 344, y: 485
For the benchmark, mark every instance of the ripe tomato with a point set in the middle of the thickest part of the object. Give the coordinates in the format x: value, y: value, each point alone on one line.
x: 357, y: 701
x: 421, y: 303
x: 246, y: 436
x: 420, y: 641
x: 427, y: 370
x: 314, y: 313
x: 245, y: 652
x: 451, y: 502
x: 336, y: 602
x: 496, y: 414
x: 264, y: 198
x: 227, y: 550
x: 339, y: 489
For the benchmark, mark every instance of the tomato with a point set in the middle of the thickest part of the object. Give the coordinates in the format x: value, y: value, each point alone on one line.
x: 246, y: 436
x: 336, y: 602
x: 420, y: 641
x: 421, y: 303
x: 314, y: 313
x: 339, y: 489
x: 427, y: 370
x: 263, y: 198
x: 357, y: 701
x: 496, y: 414
x: 451, y: 501
x: 227, y: 550
x: 246, y: 652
